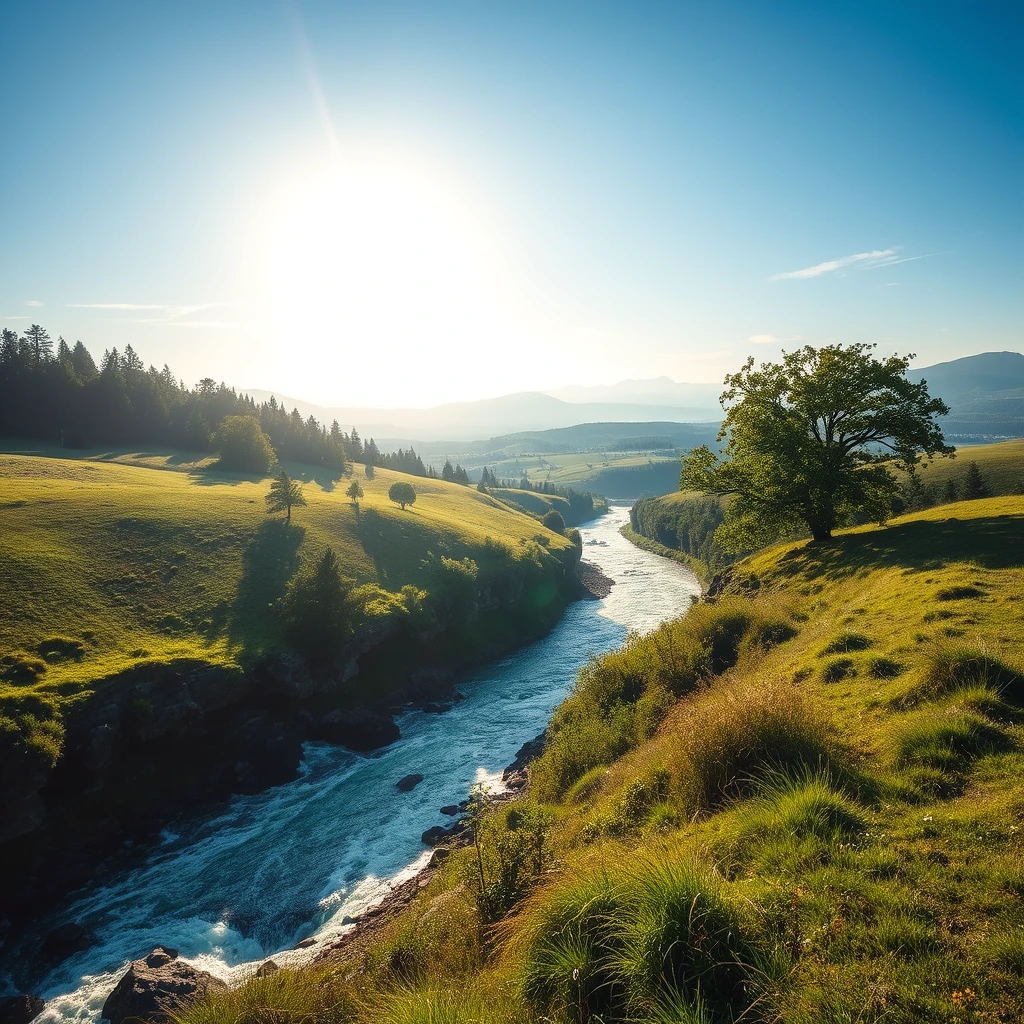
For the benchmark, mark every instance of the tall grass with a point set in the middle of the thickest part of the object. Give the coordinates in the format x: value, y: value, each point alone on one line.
x: 620, y: 699
x: 948, y: 668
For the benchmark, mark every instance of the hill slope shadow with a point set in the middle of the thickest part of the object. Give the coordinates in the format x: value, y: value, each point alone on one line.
x: 269, y: 561
x: 992, y: 542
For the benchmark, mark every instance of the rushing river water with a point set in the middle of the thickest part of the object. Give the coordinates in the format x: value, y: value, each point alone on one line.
x: 293, y: 862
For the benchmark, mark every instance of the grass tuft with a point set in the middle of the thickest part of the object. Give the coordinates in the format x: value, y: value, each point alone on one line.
x: 846, y: 643
x: 948, y: 668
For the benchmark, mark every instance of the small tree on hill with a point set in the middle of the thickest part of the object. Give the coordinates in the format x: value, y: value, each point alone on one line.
x: 317, y: 609
x: 243, y: 446
x: 402, y: 493
x: 808, y: 439
x: 950, y: 492
x: 355, y: 490
x: 370, y: 471
x: 974, y: 484
x: 284, y: 492
x: 554, y: 520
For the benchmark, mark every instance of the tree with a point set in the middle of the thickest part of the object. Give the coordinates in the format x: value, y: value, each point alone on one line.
x: 370, y: 471
x: 243, y: 446
x: 974, y: 484
x: 355, y: 490
x: 402, y: 493
x: 284, y: 492
x: 317, y: 609
x: 950, y: 492
x: 553, y: 520
x: 808, y: 439
x: 41, y: 345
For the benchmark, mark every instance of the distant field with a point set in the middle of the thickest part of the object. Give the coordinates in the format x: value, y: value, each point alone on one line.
x: 1001, y: 464
x: 145, y: 555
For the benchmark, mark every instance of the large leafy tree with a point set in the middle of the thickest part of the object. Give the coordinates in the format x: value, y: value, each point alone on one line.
x: 402, y: 493
x: 810, y: 441
x: 243, y: 445
x: 284, y: 492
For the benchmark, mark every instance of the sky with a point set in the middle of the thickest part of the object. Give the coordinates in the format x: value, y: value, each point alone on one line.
x: 395, y: 204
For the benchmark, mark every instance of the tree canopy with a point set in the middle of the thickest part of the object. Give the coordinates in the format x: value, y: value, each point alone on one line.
x: 284, y: 492
x: 243, y: 446
x: 317, y: 610
x: 402, y: 493
x: 808, y: 440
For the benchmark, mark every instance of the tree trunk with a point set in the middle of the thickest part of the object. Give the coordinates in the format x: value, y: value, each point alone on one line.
x: 820, y: 533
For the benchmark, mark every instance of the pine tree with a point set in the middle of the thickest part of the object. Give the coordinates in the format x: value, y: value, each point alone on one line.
x: 974, y: 484
x: 284, y: 492
x: 40, y: 343
x: 950, y: 492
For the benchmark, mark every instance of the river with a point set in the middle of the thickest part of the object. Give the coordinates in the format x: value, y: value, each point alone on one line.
x: 232, y: 889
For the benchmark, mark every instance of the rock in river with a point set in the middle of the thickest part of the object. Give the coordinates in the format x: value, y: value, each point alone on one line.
x: 358, y: 729
x: 409, y: 782
x: 156, y: 986
x: 20, y: 1009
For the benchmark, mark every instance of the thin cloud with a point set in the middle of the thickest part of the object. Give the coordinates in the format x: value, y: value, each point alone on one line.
x: 877, y: 257
x: 112, y: 305
x: 16, y: 318
x: 33, y: 302
x: 859, y: 261
x: 185, y: 323
x: 762, y: 339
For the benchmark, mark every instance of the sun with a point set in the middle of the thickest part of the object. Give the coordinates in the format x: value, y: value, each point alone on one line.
x: 380, y: 273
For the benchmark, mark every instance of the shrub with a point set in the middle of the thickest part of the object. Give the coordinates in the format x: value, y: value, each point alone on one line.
x: 948, y: 742
x: 734, y: 736
x: 553, y: 520
x: 21, y: 668
x: 949, y: 668
x: 845, y: 643
x: 838, y: 668
x: 61, y: 648
x: 885, y: 668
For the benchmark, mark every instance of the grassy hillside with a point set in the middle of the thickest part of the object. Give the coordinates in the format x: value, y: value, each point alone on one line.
x: 1001, y: 464
x: 112, y: 560
x: 800, y: 804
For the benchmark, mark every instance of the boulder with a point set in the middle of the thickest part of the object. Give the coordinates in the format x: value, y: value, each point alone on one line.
x: 267, y: 968
x: 358, y: 729
x: 439, y: 855
x: 409, y: 782
x: 20, y: 1009
x: 156, y: 986
x: 450, y: 809
x: 434, y: 835
x: 528, y: 752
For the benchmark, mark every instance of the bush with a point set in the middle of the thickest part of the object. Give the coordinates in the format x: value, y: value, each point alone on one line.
x: 949, y: 668
x: 553, y: 520
x: 845, y: 643
x: 243, y: 446
x: 948, y: 742
x: 610, y: 946
x: 732, y: 737
x: 620, y: 699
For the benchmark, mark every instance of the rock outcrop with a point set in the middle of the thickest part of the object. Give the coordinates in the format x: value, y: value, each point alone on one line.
x: 20, y: 1009
x: 156, y: 986
x: 408, y: 782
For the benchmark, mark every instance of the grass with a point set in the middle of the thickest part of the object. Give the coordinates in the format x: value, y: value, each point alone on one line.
x: 734, y: 837
x: 109, y: 560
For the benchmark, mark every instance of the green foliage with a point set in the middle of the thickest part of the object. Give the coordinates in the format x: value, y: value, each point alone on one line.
x: 243, y: 446
x: 609, y: 946
x: 803, y: 442
x: 685, y: 523
x: 845, y: 643
x: 355, y: 490
x: 284, y: 493
x: 317, y: 609
x: 552, y: 519
x: 510, y: 851
x: 620, y: 700
x: 948, y: 668
x: 974, y: 485
x: 402, y: 493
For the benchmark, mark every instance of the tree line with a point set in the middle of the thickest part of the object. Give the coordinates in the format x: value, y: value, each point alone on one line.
x: 57, y: 393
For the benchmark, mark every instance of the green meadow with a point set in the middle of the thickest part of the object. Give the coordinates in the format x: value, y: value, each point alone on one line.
x: 799, y: 803
x: 117, y: 559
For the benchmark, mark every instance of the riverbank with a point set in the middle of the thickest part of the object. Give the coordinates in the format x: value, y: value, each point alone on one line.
x: 288, y: 864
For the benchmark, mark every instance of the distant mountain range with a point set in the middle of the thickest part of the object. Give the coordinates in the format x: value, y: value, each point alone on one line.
x: 984, y: 391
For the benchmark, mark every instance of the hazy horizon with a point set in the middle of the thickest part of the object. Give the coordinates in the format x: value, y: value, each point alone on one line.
x: 402, y: 205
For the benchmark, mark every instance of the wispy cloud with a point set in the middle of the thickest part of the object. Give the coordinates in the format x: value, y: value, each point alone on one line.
x: 33, y: 302
x: 16, y: 318
x: 859, y: 260
x: 168, y: 311
x: 185, y: 323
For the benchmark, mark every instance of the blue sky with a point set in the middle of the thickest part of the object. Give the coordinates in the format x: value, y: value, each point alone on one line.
x: 382, y: 203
